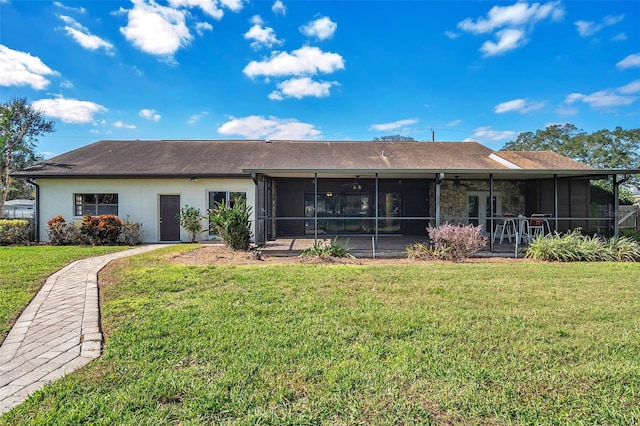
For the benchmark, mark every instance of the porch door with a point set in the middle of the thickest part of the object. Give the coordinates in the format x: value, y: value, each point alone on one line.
x: 479, y: 208
x: 169, y: 223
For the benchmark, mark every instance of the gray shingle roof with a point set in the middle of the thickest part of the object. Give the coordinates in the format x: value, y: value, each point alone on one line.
x: 235, y: 157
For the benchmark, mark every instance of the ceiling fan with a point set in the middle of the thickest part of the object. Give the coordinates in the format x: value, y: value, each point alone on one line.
x: 355, y: 185
x: 457, y: 183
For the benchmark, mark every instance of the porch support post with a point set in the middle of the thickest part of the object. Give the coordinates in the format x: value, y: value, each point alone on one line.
x: 376, y: 208
x: 439, y: 178
x: 492, y: 213
x: 315, y: 209
x: 555, y: 202
x: 257, y: 228
x: 616, y: 205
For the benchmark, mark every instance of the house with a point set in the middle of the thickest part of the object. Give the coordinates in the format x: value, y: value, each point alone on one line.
x: 18, y: 209
x: 311, y: 188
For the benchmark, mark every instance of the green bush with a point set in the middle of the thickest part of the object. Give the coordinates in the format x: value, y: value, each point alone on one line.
x: 232, y: 223
x: 630, y: 233
x: 130, y: 234
x: 189, y: 218
x: 576, y: 247
x: 14, y: 231
x: 324, y: 250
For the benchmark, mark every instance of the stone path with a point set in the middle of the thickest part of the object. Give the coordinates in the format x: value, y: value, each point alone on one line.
x: 58, y: 332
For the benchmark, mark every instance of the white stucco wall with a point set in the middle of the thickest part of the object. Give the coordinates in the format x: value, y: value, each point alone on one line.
x: 138, y: 199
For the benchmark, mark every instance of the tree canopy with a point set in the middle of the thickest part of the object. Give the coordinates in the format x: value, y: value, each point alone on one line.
x: 394, y: 138
x: 608, y: 149
x: 20, y: 127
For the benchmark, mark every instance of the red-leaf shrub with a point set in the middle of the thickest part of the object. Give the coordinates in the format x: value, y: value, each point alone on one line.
x: 102, y: 230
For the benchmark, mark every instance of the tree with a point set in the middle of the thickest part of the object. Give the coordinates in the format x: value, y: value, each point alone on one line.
x: 604, y: 149
x: 607, y: 149
x: 189, y: 218
x: 394, y: 138
x: 20, y: 127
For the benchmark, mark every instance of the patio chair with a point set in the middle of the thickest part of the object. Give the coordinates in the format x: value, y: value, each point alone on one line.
x: 505, y: 228
x: 536, y: 226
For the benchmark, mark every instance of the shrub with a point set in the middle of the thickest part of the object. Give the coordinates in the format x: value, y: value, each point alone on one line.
x: 14, y: 231
x: 324, y: 250
x: 189, y: 218
x: 102, y: 230
x: 630, y: 233
x: 130, y: 233
x: 421, y: 251
x: 451, y: 242
x: 576, y: 247
x: 232, y: 223
x: 96, y: 230
x: 62, y: 233
x: 625, y: 249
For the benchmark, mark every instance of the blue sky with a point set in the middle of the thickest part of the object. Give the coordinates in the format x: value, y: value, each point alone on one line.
x: 328, y: 70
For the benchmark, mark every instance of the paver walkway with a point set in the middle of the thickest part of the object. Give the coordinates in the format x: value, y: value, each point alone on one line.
x: 58, y: 332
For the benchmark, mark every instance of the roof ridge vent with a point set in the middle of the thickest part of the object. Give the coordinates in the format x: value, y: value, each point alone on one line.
x: 508, y: 164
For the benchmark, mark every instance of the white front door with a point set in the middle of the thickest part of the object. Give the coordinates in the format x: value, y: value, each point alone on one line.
x: 479, y: 208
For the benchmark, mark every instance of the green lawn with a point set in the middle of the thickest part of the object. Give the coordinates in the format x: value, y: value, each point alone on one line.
x: 23, y: 270
x: 434, y: 343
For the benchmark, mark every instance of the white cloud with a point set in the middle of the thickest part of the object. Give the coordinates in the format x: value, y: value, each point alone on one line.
x: 65, y: 7
x: 304, y: 61
x: 631, y: 61
x: 196, y: 117
x: 210, y: 7
x: 322, y: 28
x: 259, y: 127
x: 261, y: 36
x: 508, y: 39
x: 233, y: 5
x: 201, y: 27
x: 393, y: 125
x: 301, y: 87
x: 156, y: 29
x: 589, y: 28
x: 83, y: 37
x: 279, y: 8
x: 631, y: 88
x: 69, y: 110
x: 66, y: 84
x: 452, y: 35
x: 518, y: 105
x: 619, y: 37
x: 21, y: 69
x: 606, y: 98
x: 149, y: 114
x: 121, y: 125
x: 454, y: 123
x: 517, y: 15
x: 511, y: 24
x: 487, y: 133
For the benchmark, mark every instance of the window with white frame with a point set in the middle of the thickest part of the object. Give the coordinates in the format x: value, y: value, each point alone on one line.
x: 229, y: 197
x: 95, y: 204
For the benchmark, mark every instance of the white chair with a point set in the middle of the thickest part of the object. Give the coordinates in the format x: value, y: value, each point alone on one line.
x: 535, y: 226
x: 506, y: 228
